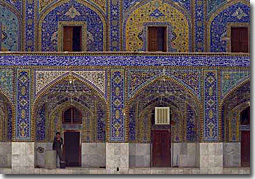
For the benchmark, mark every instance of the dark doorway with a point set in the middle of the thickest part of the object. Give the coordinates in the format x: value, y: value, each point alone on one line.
x: 72, y: 38
x: 72, y: 149
x: 157, y: 39
x: 239, y: 39
x: 245, y: 148
x: 161, y: 145
x: 245, y: 138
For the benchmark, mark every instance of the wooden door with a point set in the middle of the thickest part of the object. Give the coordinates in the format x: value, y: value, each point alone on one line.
x: 161, y: 145
x: 72, y: 149
x: 157, y: 39
x: 245, y: 148
x: 68, y: 38
x: 239, y: 39
x: 152, y: 39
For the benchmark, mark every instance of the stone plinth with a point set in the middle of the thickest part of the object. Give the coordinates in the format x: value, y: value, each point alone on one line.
x: 117, y: 158
x: 93, y: 155
x: 23, y: 157
x: 232, y: 155
x: 5, y: 154
x: 139, y: 155
x: 211, y: 158
x: 184, y: 154
x: 50, y: 159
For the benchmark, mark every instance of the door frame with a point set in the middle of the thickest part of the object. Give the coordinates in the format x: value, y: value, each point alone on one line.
x: 79, y: 144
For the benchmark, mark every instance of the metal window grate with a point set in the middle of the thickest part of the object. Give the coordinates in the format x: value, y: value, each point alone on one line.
x: 162, y: 115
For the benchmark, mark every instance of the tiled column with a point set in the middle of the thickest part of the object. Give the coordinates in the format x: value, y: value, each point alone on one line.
x: 117, y: 158
x: 211, y: 158
x: 22, y: 157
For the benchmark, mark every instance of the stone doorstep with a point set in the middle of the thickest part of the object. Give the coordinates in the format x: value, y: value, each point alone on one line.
x: 130, y: 171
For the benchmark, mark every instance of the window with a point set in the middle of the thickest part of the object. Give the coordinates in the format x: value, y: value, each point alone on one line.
x: 72, y: 38
x: 72, y: 116
x: 162, y: 115
x: 157, y: 39
x: 239, y: 39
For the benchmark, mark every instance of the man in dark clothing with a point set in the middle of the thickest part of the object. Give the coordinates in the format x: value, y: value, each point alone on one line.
x: 57, y: 144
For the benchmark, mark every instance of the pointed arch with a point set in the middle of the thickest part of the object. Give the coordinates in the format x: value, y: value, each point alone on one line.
x: 216, y: 13
x: 167, y: 78
x: 8, y: 101
x: 181, y: 25
x: 19, y: 18
x: 89, y: 5
x: 222, y: 111
x: 53, y: 84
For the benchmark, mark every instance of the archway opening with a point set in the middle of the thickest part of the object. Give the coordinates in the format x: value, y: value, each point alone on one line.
x: 171, y: 142
x: 6, y: 129
x: 245, y: 137
x: 78, y: 112
x: 235, y: 120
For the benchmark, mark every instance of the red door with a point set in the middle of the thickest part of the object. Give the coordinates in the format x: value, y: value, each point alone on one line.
x: 72, y: 149
x: 239, y: 39
x: 161, y: 145
x: 245, y: 148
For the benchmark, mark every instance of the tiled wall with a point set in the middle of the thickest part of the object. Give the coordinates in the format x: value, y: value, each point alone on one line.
x: 127, y: 23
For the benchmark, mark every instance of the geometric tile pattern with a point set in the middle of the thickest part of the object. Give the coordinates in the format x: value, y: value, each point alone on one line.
x: 45, y: 77
x: 211, y: 123
x: 73, y: 11
x: 97, y: 78
x: 157, y: 12
x: 236, y: 13
x: 6, y: 82
x: 30, y: 25
x: 231, y: 78
x: 23, y: 123
x: 114, y: 21
x: 9, y: 30
x: 139, y: 78
x: 184, y: 3
x: 199, y: 26
x: 117, y: 118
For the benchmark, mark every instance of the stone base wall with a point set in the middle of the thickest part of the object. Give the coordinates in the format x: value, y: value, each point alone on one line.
x: 139, y: 155
x: 93, y: 155
x: 23, y: 156
x: 211, y: 158
x: 5, y: 154
x: 117, y: 158
x: 125, y: 158
x: 184, y: 155
x: 232, y: 155
x: 40, y: 157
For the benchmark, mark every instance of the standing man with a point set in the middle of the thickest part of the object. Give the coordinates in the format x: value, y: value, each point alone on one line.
x: 57, y: 145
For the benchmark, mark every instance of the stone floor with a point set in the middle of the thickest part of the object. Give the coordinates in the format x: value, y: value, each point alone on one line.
x: 130, y: 171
